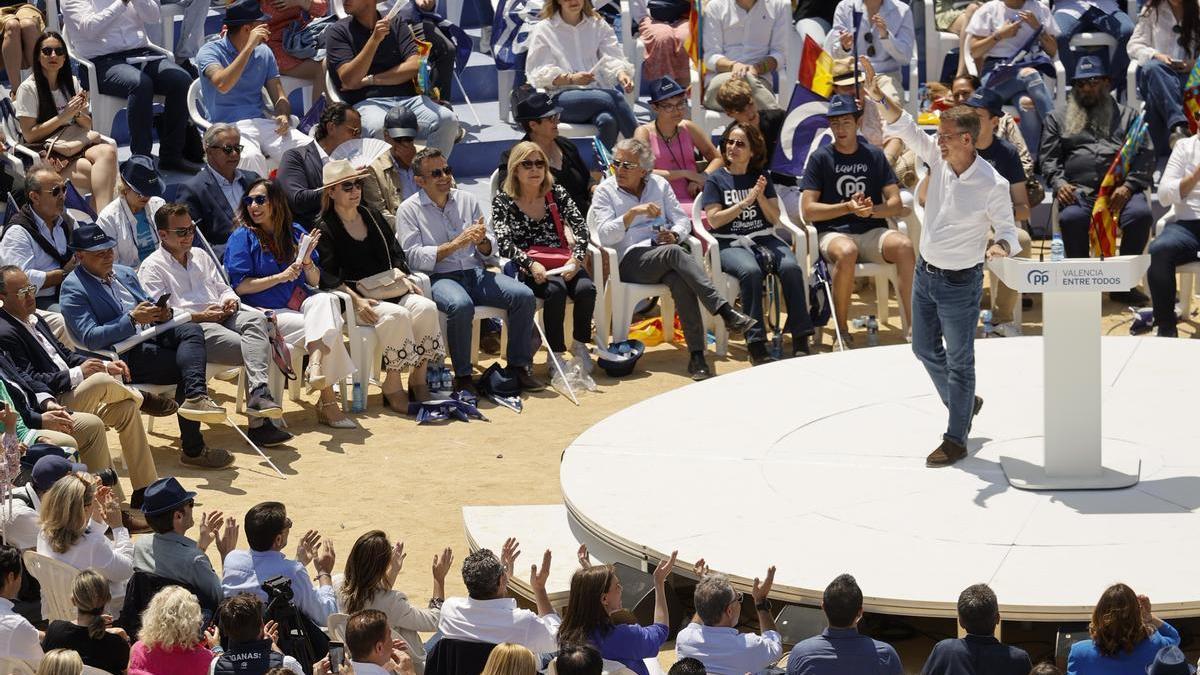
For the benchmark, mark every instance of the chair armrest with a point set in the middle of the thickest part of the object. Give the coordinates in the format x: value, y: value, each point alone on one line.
x: 810, y: 244
x: 348, y: 315
x: 605, y: 252
x: 711, y: 250
x: 799, y: 239
x: 160, y: 50
x: 422, y: 280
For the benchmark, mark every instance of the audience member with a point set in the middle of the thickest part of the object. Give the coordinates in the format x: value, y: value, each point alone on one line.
x: 89, y: 633
x: 1104, y: 16
x: 1164, y: 45
x: 1125, y: 635
x: 849, y: 192
x: 840, y: 648
x: 1179, y: 242
x: 400, y: 130
x: 74, y: 515
x: 235, y: 70
x: 687, y: 666
x: 371, y: 649
x: 267, y: 529
x: 595, y: 596
x: 52, y: 110
x: 60, y: 662
x: 636, y: 212
x: 1170, y: 660
x: 664, y: 27
x: 511, y: 659
x: 715, y: 639
x: 736, y: 98
x: 487, y: 615
x: 1046, y: 668
x: 743, y: 214
x: 884, y: 35
x: 1006, y: 128
x: 575, y: 56
x: 22, y: 526
x: 446, y: 234
x: 130, y: 218
x: 423, y: 20
x: 170, y: 642
x: 265, y: 270
x: 299, y: 172
x: 371, y: 571
x: 35, y: 237
x: 953, y: 16
x: 104, y: 304
x: 901, y: 159
x: 745, y: 40
x: 373, y: 63
x: 357, y: 248
x: 18, y: 638
x: 979, y: 651
x: 1078, y: 147
x: 252, y: 646
x: 110, y: 35
x: 674, y: 140
x: 22, y: 23
x: 289, y: 16
x: 580, y: 659
x: 537, y: 114
x: 12, y: 419
x: 539, y: 229
x: 233, y: 334
x: 214, y: 195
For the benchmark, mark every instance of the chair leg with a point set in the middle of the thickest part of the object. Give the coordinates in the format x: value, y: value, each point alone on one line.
x: 621, y: 315
x: 239, y: 400
x: 602, y: 314
x: 882, y: 295
x: 1187, y: 286
x: 667, y: 302
x: 475, y: 339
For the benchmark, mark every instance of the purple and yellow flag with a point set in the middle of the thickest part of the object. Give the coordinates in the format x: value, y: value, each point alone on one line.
x: 1103, y: 231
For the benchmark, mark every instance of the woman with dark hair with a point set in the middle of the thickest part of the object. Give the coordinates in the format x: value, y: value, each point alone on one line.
x: 53, y: 113
x: 595, y: 596
x: 743, y: 214
x: 371, y: 571
x: 1165, y: 43
x: 1125, y: 636
x: 675, y: 139
x: 265, y: 269
x: 89, y: 634
x: 538, y: 116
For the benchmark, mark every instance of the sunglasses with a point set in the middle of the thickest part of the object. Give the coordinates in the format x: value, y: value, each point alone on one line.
x: 183, y: 232
x: 533, y: 164
x: 736, y: 143
x: 630, y: 166
x: 870, y: 38
x: 438, y: 173
x: 254, y: 199
x: 56, y: 191
x: 26, y: 291
x: 351, y: 185
x: 228, y: 149
x: 678, y: 105
x: 54, y: 51
x: 354, y: 130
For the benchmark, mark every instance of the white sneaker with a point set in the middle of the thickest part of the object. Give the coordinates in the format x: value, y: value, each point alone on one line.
x: 1007, y: 329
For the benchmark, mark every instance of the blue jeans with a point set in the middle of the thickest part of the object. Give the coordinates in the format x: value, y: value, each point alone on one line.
x: 1179, y: 243
x: 945, y: 310
x: 176, y: 357
x: 436, y: 124
x: 457, y: 293
x: 1162, y: 90
x: 1076, y: 220
x: 1118, y: 25
x: 1033, y: 86
x: 139, y: 83
x: 741, y: 263
x: 605, y: 108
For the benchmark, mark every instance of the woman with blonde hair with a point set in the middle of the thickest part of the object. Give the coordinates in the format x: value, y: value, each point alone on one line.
x: 540, y: 229
x: 1126, y: 634
x: 60, y: 662
x: 170, y: 642
x: 510, y: 659
x: 74, y: 515
x: 90, y: 634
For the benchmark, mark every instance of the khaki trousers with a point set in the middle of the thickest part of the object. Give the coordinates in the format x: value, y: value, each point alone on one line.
x: 88, y: 438
x: 119, y: 407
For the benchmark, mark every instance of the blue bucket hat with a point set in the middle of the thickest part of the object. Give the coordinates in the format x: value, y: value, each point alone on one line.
x: 1089, y: 66
x: 1170, y: 660
x: 664, y: 88
x: 139, y: 174
x: 242, y: 12
x: 501, y: 386
x: 163, y: 495
x: 620, y: 357
x: 841, y: 104
x: 988, y: 100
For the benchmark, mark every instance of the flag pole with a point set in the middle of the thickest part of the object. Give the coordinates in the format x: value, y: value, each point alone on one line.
x: 854, y: 51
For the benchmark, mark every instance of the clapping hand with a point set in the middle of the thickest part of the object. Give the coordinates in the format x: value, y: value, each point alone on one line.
x: 538, y: 577
x: 879, y: 24
x: 626, y: 82
x: 1031, y: 19
x: 663, y: 570
x: 760, y: 591
x: 325, y: 557
x: 228, y: 538
x: 283, y: 123
x: 441, y: 565
x: 210, y: 526
x: 847, y: 40
x: 870, y: 79
x: 701, y: 568
x: 508, y: 555
x: 395, y: 563
x: 861, y: 205
x: 585, y: 561
x: 306, y: 550
x: 1008, y: 30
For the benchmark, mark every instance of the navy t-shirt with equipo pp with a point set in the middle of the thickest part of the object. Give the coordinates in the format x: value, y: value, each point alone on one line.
x: 838, y: 177
x: 725, y: 189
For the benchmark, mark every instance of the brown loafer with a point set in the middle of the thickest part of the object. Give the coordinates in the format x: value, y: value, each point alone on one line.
x: 157, y: 405
x: 134, y: 521
x: 946, y: 454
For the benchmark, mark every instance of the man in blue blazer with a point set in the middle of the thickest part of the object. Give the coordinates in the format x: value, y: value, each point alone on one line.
x: 214, y: 195
x: 104, y: 304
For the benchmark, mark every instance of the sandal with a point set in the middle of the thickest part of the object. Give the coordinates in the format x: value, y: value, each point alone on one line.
x: 322, y: 418
x: 401, y: 406
x: 314, y: 380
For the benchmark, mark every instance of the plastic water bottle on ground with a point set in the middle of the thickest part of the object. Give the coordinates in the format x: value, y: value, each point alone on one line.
x: 872, y: 331
x: 1057, y: 252
x: 986, y: 318
x: 359, y: 404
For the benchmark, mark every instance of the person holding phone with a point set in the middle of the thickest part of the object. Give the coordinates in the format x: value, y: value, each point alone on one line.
x: 1165, y: 42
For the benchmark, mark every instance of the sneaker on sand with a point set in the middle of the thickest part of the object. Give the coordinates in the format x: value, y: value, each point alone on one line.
x: 209, y: 458
x: 1007, y: 329
x: 202, y: 409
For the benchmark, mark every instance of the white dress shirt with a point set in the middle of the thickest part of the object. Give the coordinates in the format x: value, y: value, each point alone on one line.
x: 499, y: 620
x: 364, y: 668
x: 18, y: 638
x: 1184, y: 160
x: 1154, y: 33
x: 558, y: 48
x: 100, y: 27
x: 118, y: 222
x: 18, y: 248
x: 193, y: 288
x: 22, y: 529
x: 406, y: 619
x: 422, y: 226
x: 746, y: 36
x: 112, y: 559
x: 75, y: 373
x: 725, y: 651
x: 892, y: 52
x: 994, y: 14
x: 610, y: 202
x: 962, y: 209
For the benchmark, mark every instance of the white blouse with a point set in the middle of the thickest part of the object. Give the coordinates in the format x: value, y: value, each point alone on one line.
x: 1155, y: 33
x: 558, y: 48
x: 112, y: 559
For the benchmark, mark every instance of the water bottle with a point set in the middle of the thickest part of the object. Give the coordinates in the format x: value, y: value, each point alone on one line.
x: 447, y: 380
x: 1057, y: 252
x: 986, y: 317
x: 359, y: 404
x: 777, y: 346
x: 872, y: 331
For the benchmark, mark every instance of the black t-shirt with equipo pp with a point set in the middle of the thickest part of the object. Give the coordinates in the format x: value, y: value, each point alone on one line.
x: 838, y: 177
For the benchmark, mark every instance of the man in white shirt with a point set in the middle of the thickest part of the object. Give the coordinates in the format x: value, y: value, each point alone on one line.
x: 1179, y: 241
x: 18, y: 638
x: 233, y: 334
x: 715, y: 640
x: 968, y: 199
x: 370, y: 646
x: 745, y: 39
x: 35, y: 239
x: 487, y: 615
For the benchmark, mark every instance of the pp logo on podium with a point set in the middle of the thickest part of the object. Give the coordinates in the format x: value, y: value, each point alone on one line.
x: 1038, y: 277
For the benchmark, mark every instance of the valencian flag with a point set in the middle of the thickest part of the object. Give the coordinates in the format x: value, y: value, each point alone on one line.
x: 1191, y: 98
x: 1103, y: 230
x: 816, y: 69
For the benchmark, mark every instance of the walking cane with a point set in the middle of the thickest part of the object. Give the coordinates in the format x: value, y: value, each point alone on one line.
x: 554, y: 361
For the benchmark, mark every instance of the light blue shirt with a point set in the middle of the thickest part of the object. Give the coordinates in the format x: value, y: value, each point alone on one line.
x: 408, y: 186
x: 230, y: 188
x: 725, y: 651
x: 245, y: 572
x: 610, y: 202
x: 422, y: 226
x: 122, y: 295
x: 891, y: 53
x: 244, y: 101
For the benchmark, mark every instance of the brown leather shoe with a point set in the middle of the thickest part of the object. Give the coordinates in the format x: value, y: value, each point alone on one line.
x: 134, y: 521
x: 946, y: 454
x: 157, y: 405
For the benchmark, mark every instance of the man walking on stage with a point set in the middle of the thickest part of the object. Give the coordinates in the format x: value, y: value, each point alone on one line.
x: 967, y: 199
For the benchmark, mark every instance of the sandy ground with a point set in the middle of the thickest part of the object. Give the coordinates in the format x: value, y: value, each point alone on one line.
x: 412, y: 481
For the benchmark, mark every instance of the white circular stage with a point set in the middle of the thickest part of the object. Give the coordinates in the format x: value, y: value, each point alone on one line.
x: 817, y: 465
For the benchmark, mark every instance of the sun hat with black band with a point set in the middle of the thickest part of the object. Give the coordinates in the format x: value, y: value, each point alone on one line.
x: 338, y: 171
x: 843, y: 72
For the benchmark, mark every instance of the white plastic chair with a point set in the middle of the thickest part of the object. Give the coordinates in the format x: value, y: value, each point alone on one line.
x: 13, y: 666
x: 331, y: 92
x: 937, y: 44
x: 200, y: 117
x: 56, y: 578
x: 169, y: 14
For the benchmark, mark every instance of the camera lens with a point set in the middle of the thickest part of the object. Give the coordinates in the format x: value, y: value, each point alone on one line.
x: 108, y: 477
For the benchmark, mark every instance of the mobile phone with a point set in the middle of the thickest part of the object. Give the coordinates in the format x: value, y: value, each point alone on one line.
x: 3, y: 406
x: 162, y: 301
x: 337, y: 653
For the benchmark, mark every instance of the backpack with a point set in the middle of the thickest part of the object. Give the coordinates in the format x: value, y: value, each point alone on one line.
x: 305, y: 38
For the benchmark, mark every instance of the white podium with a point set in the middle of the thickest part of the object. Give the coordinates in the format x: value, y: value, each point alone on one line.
x: 1073, y: 454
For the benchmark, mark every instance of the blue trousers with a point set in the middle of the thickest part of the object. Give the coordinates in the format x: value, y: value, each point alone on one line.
x: 457, y: 293
x: 437, y: 125
x: 1134, y: 222
x: 605, y: 108
x: 945, y: 310
x: 741, y: 263
x: 139, y: 83
x: 1033, y: 86
x: 1179, y: 243
x: 1118, y: 25
x: 1162, y: 90
x: 175, y: 357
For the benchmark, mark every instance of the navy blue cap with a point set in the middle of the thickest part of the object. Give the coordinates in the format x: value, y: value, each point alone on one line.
x: 242, y: 12
x: 50, y: 468
x: 1170, y: 660
x: 841, y: 104
x: 499, y: 381
x: 90, y: 238
x: 664, y: 88
x: 400, y: 122
x: 163, y: 495
x: 987, y: 100
x: 1087, y: 66
x: 620, y: 357
x: 139, y: 174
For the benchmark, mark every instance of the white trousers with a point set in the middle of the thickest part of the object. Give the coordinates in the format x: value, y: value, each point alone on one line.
x: 262, y: 146
x: 319, y: 320
x: 408, y: 332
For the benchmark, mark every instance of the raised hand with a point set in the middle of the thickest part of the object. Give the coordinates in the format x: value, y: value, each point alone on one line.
x: 441, y: 565
x: 663, y: 570
x: 508, y: 555
x: 538, y: 577
x: 582, y: 556
x: 306, y: 549
x: 228, y: 538
x: 210, y: 525
x: 701, y: 568
x: 760, y: 591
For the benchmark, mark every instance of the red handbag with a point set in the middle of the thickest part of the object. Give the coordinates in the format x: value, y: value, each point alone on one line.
x: 552, y: 257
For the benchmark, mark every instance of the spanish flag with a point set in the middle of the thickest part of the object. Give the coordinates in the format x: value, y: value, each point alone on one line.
x: 694, y: 44
x: 816, y: 69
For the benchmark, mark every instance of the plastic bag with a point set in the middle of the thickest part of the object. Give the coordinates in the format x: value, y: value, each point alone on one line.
x: 576, y: 375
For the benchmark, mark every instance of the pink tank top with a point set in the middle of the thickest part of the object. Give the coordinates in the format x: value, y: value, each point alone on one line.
x: 680, y: 153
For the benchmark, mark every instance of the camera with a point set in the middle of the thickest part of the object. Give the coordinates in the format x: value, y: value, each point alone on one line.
x: 278, y: 588
x: 108, y: 477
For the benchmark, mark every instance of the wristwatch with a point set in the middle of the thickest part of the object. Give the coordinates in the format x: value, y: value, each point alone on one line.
x: 764, y: 606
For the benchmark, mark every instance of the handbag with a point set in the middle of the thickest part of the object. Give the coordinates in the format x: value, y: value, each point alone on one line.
x: 305, y: 39
x: 69, y: 141
x: 552, y: 257
x: 281, y: 351
x: 386, y: 285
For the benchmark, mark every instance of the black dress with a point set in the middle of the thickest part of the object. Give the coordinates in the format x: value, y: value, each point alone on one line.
x: 574, y: 176
x: 345, y: 259
x: 110, y: 653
